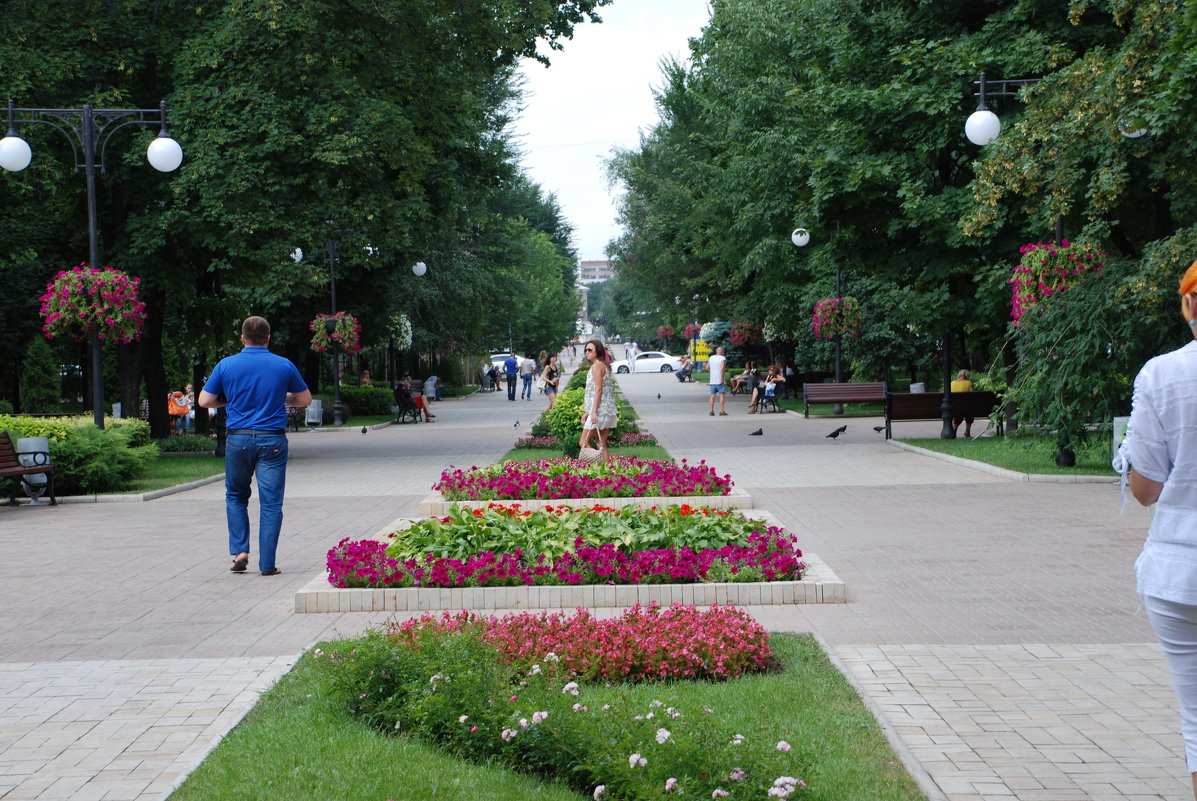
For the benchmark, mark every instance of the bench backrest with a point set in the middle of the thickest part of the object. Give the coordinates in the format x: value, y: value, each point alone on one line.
x: 845, y: 392
x: 8, y: 454
x: 928, y: 405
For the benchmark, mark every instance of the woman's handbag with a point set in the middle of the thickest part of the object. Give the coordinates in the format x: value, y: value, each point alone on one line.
x: 589, y: 455
x: 540, y: 382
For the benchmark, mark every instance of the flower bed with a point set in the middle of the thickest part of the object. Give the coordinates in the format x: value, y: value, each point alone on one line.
x: 549, y: 442
x: 504, y: 546
x: 556, y: 479
x: 528, y: 692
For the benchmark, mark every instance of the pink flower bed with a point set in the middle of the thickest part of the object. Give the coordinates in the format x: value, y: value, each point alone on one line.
x: 555, y: 479
x: 645, y: 643
x: 364, y: 563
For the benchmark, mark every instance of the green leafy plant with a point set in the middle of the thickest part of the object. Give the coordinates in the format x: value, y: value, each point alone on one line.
x: 368, y: 400
x: 89, y: 460
x: 186, y: 443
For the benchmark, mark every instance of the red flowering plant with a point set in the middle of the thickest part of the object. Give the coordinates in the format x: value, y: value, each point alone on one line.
x: 87, y: 299
x: 833, y: 316
x: 691, y: 330
x: 1047, y: 269
x: 744, y: 332
x: 664, y: 331
x: 344, y: 332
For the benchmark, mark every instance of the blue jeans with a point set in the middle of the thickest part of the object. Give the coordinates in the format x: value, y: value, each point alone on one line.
x: 526, y: 390
x: 247, y: 455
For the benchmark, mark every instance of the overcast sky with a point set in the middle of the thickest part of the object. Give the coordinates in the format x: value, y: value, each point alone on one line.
x: 597, y: 95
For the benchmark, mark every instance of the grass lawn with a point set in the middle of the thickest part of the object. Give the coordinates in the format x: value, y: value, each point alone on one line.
x: 297, y: 745
x: 167, y: 471
x: 1027, y: 453
x: 828, y: 409
x: 648, y: 452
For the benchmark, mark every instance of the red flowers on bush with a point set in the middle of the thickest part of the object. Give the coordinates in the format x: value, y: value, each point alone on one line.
x: 645, y: 644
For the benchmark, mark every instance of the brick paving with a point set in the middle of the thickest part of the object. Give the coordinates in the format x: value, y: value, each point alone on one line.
x: 991, y: 625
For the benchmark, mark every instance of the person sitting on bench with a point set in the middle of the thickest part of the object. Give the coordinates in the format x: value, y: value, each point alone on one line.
x: 683, y: 372
x: 767, y: 387
x: 963, y: 383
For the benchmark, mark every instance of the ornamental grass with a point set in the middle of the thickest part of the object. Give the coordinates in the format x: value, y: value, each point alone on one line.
x: 470, y: 686
x: 556, y: 479
x: 506, y: 546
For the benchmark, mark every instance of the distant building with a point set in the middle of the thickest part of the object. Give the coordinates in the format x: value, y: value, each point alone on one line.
x: 591, y: 272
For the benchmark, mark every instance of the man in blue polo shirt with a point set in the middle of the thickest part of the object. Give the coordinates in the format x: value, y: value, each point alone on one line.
x: 255, y: 387
x: 511, y: 366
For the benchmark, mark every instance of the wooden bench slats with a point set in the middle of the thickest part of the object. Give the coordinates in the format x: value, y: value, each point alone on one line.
x: 901, y: 406
x: 10, y: 466
x: 857, y: 392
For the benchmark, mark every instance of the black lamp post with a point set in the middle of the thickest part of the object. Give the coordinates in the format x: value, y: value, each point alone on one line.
x: 90, y: 129
x: 338, y: 412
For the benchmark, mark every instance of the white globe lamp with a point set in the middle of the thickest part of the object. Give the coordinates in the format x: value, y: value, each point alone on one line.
x: 800, y: 237
x: 15, y: 154
x: 419, y: 268
x: 982, y: 127
x: 164, y: 153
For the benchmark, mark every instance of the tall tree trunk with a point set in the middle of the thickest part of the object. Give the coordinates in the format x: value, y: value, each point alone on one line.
x: 156, y: 388
x: 1010, y: 362
x: 130, y: 360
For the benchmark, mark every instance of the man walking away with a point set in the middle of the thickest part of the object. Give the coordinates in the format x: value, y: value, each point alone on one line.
x: 511, y: 366
x: 255, y: 387
x: 527, y: 371
x: 718, y: 364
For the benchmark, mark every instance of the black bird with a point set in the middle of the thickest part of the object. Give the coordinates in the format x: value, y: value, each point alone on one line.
x: 363, y: 429
x: 757, y: 433
x: 517, y: 424
x: 878, y: 429
x: 835, y: 434
x: 658, y: 396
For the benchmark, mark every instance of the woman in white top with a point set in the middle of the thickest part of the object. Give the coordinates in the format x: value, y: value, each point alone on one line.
x: 1161, y: 448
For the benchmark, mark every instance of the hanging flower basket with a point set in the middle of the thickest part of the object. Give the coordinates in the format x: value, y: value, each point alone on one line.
x: 345, y: 332
x: 1049, y: 269
x: 744, y: 332
x: 664, y: 331
x: 836, y: 316
x: 86, y: 299
x: 692, y: 330
x: 399, y: 329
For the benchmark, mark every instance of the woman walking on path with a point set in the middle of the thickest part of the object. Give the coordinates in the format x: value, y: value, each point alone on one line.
x: 1160, y: 454
x: 598, y: 406
x: 551, y: 376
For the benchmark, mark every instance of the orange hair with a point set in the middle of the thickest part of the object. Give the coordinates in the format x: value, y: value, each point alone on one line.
x: 1188, y: 285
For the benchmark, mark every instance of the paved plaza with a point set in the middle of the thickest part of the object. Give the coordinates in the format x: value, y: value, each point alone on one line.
x: 991, y: 624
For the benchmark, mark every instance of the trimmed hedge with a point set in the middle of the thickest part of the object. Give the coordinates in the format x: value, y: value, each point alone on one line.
x: 87, y: 460
x: 368, y: 400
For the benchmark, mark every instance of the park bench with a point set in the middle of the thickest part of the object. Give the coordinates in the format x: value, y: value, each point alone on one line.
x: 859, y: 392
x: 901, y: 406
x: 11, y: 467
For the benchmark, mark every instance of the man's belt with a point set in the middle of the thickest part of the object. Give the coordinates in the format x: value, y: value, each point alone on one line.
x: 240, y: 431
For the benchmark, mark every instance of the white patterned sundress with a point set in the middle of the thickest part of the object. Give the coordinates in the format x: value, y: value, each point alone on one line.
x: 607, y: 414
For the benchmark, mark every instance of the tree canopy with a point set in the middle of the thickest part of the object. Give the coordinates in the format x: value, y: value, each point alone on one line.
x: 381, y: 124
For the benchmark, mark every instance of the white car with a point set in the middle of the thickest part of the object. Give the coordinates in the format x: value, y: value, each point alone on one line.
x: 651, y: 361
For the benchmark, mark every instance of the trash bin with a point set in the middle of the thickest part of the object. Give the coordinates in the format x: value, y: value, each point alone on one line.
x: 315, y: 413
x: 920, y: 387
x: 34, y: 452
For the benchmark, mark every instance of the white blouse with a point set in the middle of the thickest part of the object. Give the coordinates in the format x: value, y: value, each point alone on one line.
x: 1163, y: 447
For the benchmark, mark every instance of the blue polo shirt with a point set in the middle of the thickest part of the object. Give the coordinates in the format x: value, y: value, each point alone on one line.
x: 255, y: 383
x: 510, y: 365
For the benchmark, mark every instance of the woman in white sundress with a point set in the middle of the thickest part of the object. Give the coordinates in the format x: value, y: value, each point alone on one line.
x: 598, y: 406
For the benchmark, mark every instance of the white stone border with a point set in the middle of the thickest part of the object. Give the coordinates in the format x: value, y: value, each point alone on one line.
x: 435, y: 504
x: 1013, y: 475
x: 819, y: 585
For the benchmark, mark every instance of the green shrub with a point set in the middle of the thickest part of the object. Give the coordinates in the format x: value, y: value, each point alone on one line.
x: 89, y: 460
x: 368, y: 400
x: 578, y: 379
x: 58, y: 428
x: 564, y: 420
x: 5, y: 408
x: 187, y: 443
x: 40, y: 380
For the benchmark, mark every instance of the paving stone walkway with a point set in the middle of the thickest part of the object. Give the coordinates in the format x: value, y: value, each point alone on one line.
x: 991, y: 624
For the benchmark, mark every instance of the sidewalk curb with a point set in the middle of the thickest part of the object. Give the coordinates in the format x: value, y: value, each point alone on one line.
x: 909, y: 761
x: 1013, y: 475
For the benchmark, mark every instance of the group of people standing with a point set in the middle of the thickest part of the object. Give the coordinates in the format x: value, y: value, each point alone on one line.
x: 181, y: 407
x: 541, y: 373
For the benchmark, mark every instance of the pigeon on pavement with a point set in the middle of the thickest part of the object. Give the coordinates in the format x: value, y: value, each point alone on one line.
x: 757, y: 433
x: 363, y: 429
x: 517, y: 424
x: 835, y: 434
x: 878, y: 429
